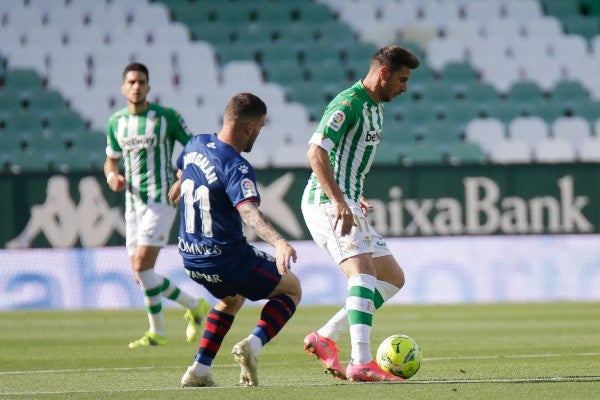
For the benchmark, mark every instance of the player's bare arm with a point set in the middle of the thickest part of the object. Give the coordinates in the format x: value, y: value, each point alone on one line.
x: 365, y: 206
x: 115, y: 181
x: 319, y: 162
x: 256, y: 220
x: 175, y: 189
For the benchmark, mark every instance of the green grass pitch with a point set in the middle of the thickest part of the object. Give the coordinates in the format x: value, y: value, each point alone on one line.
x: 506, y: 351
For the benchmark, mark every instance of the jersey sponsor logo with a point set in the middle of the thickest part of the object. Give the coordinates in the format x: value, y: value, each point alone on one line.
x: 336, y: 120
x: 248, y: 188
x: 211, y: 278
x: 198, y: 249
x: 136, y: 142
x: 243, y: 169
x: 373, y: 136
x: 211, y: 145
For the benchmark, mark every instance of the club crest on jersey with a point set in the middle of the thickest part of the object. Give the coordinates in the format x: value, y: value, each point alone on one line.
x: 248, y: 188
x: 336, y: 120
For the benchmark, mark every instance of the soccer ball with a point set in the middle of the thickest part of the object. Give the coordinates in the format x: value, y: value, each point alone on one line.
x: 399, y: 355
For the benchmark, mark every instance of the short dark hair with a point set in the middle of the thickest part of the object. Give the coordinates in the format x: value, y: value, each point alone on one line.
x: 138, y: 67
x: 244, y: 106
x: 396, y: 57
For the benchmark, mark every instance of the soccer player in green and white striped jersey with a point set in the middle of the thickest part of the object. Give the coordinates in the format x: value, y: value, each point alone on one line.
x: 143, y: 134
x: 341, y: 152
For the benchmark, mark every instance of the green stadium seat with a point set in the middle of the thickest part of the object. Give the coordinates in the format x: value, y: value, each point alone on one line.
x: 387, y: 155
x: 569, y: 94
x: 438, y: 92
x: 236, y: 51
x: 237, y: 13
x: 46, y: 104
x: 285, y: 72
x: 10, y: 102
x: 282, y: 12
x: 325, y: 72
x: 547, y: 109
x: 32, y: 160
x: 560, y: 8
x: 23, y: 79
x: 359, y: 53
x: 215, y: 33
x: 337, y: 34
x: 318, y: 14
x: 480, y: 92
x: 524, y: 92
x: 68, y: 121
x: 590, y: 110
x: 586, y: 26
x: 419, y: 113
x: 317, y: 53
x: 422, y: 153
x: 459, y: 72
x: 443, y: 132
x: 466, y: 153
x: 193, y: 13
x: 505, y: 111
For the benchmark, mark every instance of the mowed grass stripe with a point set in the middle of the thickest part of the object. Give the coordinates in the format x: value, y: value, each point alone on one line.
x: 492, y: 351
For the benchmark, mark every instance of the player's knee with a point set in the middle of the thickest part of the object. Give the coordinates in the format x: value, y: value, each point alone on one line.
x: 292, y: 288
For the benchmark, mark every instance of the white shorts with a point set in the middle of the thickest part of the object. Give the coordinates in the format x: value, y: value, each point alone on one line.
x: 148, y: 225
x: 362, y: 239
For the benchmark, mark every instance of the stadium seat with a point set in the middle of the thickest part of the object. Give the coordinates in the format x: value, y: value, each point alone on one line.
x: 547, y: 109
x: 590, y: 150
x: 548, y: 27
x: 422, y: 153
x: 583, y: 25
x: 524, y: 92
x: 573, y: 129
x: 443, y: 51
x: 466, y: 153
x: 483, y: 10
x: 486, y: 132
x: 529, y: 130
x: 524, y: 10
x: 459, y: 72
x: 511, y: 151
x: 554, y: 150
x: 505, y: 111
x: 387, y: 155
x: 570, y: 94
x: 590, y: 110
x: 560, y: 8
x: 284, y: 72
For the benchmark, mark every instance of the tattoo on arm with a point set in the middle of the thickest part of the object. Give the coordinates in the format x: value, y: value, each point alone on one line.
x: 256, y: 220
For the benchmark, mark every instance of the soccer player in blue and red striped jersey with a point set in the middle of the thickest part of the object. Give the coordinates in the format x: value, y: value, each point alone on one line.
x: 217, y: 190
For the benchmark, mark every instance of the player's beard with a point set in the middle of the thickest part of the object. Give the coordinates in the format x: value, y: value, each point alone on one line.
x: 249, y: 146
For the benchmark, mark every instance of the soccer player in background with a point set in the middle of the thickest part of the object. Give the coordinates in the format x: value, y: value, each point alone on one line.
x: 341, y: 152
x: 218, y: 191
x: 143, y: 134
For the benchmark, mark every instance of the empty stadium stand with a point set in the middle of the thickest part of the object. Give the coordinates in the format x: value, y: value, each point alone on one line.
x: 488, y: 65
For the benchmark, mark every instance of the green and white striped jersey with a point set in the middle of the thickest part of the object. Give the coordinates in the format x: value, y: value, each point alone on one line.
x: 350, y: 131
x: 145, y: 141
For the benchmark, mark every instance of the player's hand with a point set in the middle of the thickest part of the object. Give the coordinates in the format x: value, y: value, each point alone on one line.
x: 175, y: 191
x: 343, y: 217
x: 365, y: 206
x: 284, y: 254
x: 116, y: 182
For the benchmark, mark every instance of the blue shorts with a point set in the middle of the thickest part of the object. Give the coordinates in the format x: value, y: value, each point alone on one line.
x: 254, y: 278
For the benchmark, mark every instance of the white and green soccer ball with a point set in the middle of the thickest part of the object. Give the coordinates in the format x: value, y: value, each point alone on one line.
x: 399, y: 355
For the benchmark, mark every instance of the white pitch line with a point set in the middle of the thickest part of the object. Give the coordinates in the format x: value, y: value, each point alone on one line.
x: 427, y: 359
x: 554, y: 379
x: 496, y: 357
